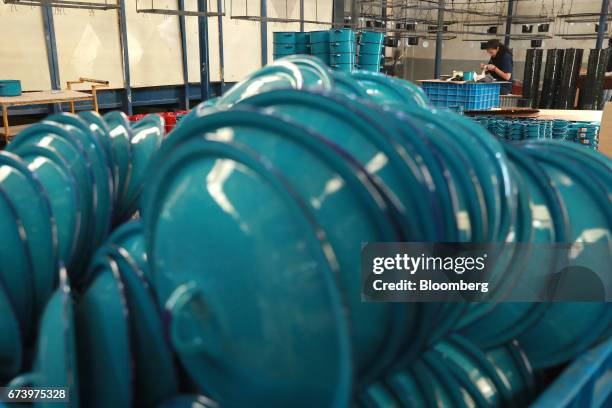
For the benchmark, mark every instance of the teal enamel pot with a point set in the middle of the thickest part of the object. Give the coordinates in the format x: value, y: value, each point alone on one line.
x: 369, y: 59
x: 354, y: 204
x: 10, y: 87
x: 315, y: 73
x: 130, y: 236
x: 147, y: 136
x: 188, y: 401
x: 10, y: 333
x: 61, y: 186
x: 341, y: 34
x: 552, y: 341
x: 55, y: 364
x: 284, y: 37
x: 247, y: 210
x: 319, y: 36
x: 369, y: 67
x: 344, y: 83
x: 61, y: 139
x: 103, y: 338
x: 383, y: 89
x: 373, y: 37
x: 96, y: 155
x: 121, y: 134
x: 346, y: 123
x: 31, y: 202
x: 155, y: 376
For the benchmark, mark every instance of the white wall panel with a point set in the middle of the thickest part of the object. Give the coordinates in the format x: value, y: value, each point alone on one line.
x: 23, y: 54
x: 154, y: 45
x: 88, y: 45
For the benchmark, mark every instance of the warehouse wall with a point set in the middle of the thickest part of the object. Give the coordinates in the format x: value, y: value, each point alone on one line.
x: 417, y: 62
x: 88, y: 42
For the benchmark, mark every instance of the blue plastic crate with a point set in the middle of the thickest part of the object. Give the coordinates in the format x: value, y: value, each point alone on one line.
x: 468, y: 96
x: 586, y: 383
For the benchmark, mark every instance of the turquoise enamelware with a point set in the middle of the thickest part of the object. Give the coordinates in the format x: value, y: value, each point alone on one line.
x: 338, y: 118
x: 552, y: 341
x: 215, y: 325
x: 10, y: 87
x: 369, y: 68
x: 319, y: 48
x: 121, y: 134
x: 314, y: 72
x: 99, y: 167
x: 372, y: 37
x: 378, y: 396
x: 10, y: 333
x: 337, y: 195
x: 345, y: 84
x: 188, y: 401
x: 147, y: 136
x: 342, y: 67
x: 515, y: 371
x: 341, y: 34
x: 284, y: 37
x: 279, y: 74
x: 61, y: 187
x: 130, y: 236
x: 31, y: 203
x: 155, y: 376
x: 302, y: 37
x: 408, y: 386
x: 468, y: 367
x: 322, y: 56
x: 60, y: 138
x: 371, y: 49
x: 345, y: 47
x: 103, y: 339
x: 441, y: 389
x: 284, y: 49
x: 369, y: 59
x: 382, y: 89
x: 342, y: 58
x: 319, y: 36
x: 55, y: 364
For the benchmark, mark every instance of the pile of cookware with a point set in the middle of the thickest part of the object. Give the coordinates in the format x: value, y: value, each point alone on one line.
x: 584, y: 133
x: 244, y: 265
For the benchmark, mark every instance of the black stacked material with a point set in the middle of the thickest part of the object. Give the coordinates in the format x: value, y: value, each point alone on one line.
x: 552, y: 77
x: 569, y: 78
x: 592, y: 92
x: 531, y: 79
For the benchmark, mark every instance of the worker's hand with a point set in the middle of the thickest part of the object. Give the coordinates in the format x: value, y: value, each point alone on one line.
x: 490, y: 67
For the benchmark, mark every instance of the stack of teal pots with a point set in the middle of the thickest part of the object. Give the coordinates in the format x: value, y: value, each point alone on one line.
x: 319, y: 45
x: 284, y: 43
x: 371, y: 47
x: 302, y: 43
x: 342, y: 50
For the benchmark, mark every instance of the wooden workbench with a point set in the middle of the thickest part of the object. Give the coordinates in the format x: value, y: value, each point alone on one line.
x: 40, y: 98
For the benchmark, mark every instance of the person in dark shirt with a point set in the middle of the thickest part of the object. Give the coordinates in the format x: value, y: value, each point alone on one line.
x: 500, y: 64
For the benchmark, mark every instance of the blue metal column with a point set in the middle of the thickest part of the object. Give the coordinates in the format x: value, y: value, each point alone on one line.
x: 439, y: 38
x: 221, y: 57
x: 302, y: 15
x: 49, y: 27
x: 185, y: 95
x: 203, y: 32
x: 509, y: 22
x: 603, y: 22
x: 264, y: 32
x: 127, y: 97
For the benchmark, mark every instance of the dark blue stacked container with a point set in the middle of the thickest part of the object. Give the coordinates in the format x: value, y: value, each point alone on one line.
x: 371, y: 46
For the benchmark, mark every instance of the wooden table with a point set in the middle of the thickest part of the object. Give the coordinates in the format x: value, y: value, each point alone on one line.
x: 39, y: 98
